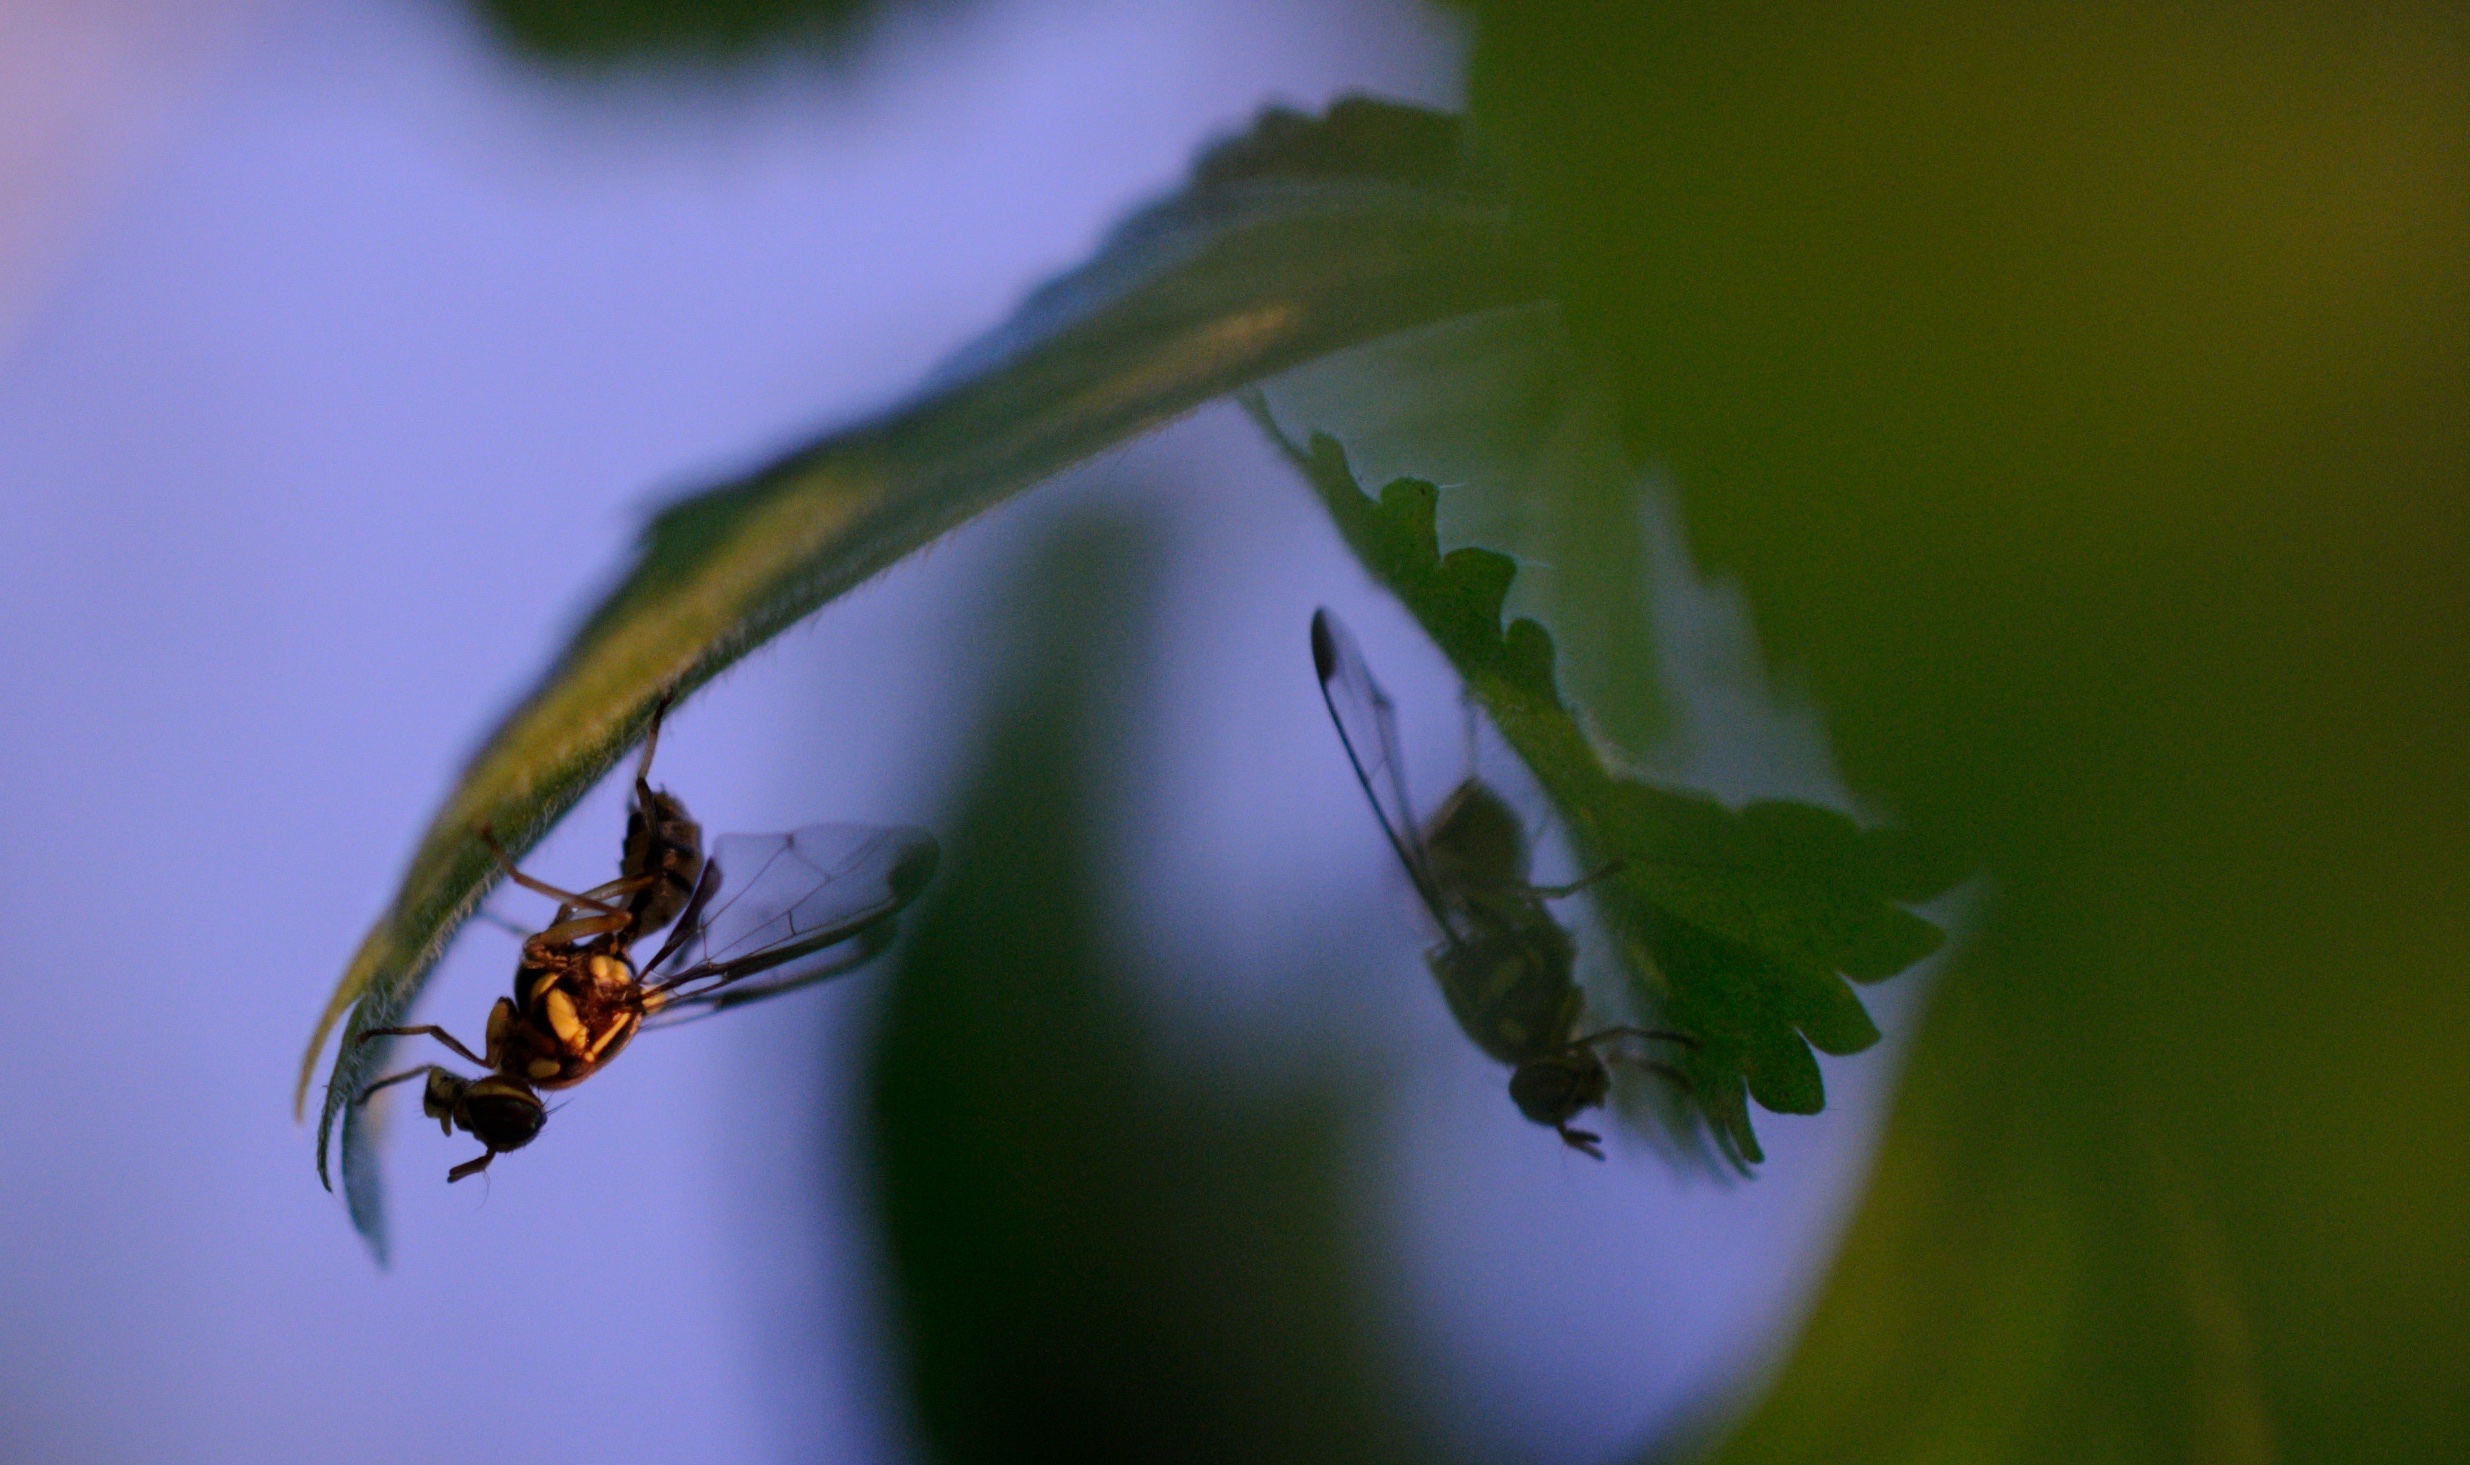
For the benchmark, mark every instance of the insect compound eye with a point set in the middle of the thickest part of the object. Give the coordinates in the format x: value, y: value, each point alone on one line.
x: 1553, y: 1090
x: 503, y: 1117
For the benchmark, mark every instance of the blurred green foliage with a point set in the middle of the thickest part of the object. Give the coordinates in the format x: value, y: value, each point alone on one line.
x: 591, y: 31
x: 2079, y: 391
x: 1099, y: 1252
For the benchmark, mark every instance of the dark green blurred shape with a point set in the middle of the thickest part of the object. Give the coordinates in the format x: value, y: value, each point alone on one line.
x: 618, y: 30
x: 2083, y: 394
x: 1096, y: 1257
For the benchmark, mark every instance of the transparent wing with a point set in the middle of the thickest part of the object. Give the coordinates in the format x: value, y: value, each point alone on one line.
x: 815, y: 967
x: 768, y: 900
x: 1368, y: 728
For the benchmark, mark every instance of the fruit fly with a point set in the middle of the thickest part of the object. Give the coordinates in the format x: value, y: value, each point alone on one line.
x: 1506, y: 966
x: 791, y: 909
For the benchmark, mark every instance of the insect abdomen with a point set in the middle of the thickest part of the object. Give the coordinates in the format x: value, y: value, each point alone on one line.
x: 668, y: 847
x: 1510, y: 989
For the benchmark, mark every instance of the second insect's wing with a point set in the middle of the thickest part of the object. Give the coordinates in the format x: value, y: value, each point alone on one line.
x: 777, y: 898
x: 1368, y: 729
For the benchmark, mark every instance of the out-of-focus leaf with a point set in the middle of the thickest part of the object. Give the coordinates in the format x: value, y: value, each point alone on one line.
x: 2081, y: 393
x: 1098, y: 1253
x: 2091, y: 1282
x: 1300, y: 237
x: 592, y: 31
x: 1738, y: 926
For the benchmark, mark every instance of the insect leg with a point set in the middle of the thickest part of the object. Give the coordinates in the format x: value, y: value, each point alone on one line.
x: 643, y: 769
x: 1644, y: 1034
x: 1590, y: 1145
x: 1555, y: 892
x: 503, y: 923
x: 392, y: 1079
x: 580, y: 928
x: 1679, y: 1079
x: 539, y: 887
x: 601, y: 898
x: 429, y: 1030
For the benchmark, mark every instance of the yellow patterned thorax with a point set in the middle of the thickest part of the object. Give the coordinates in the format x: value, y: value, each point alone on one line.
x: 575, y: 1010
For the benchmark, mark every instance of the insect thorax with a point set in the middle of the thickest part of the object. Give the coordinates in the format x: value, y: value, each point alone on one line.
x: 575, y: 1008
x: 1476, y: 841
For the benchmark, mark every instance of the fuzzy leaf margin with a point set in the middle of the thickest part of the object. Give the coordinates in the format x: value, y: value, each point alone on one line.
x: 1299, y: 237
x: 1743, y: 927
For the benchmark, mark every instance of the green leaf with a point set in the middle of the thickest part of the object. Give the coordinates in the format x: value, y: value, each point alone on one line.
x: 1738, y: 926
x: 2028, y: 1280
x: 1296, y: 239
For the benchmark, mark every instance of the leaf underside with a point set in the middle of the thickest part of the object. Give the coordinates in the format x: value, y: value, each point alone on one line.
x: 1298, y: 238
x: 1741, y: 927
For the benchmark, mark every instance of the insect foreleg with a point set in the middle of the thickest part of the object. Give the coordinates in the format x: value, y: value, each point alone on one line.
x: 603, y: 899
x: 1678, y: 1079
x: 1590, y: 1145
x: 430, y: 1030
x: 1643, y: 1034
x: 643, y: 769
x: 504, y: 923
x: 506, y: 863
x: 580, y: 928
x: 390, y: 1080
x: 1555, y: 892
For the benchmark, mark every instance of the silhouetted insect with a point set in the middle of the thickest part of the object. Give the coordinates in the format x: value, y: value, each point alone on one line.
x: 828, y: 892
x: 1504, y: 963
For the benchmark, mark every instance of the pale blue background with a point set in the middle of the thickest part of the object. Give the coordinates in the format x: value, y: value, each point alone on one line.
x: 304, y: 468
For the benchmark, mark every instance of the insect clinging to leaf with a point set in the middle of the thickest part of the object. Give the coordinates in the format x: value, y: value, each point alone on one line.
x: 791, y: 909
x: 1505, y: 963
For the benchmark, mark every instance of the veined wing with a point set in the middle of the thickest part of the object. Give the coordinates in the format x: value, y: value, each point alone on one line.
x: 1368, y: 728
x: 767, y: 900
x: 817, y: 966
